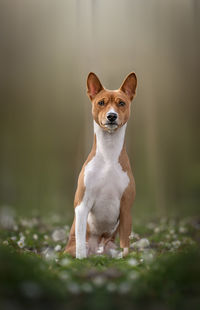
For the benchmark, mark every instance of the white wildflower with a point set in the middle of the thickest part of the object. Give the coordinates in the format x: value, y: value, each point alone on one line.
x: 59, y: 235
x: 26, y: 223
x: 119, y: 255
x: 141, y: 244
x: 188, y: 240
x: 46, y: 237
x: 98, y: 280
x: 157, y: 230
x: 133, y: 235
x: 148, y: 256
x: 183, y: 230
x: 14, y: 238
x: 21, y: 243
x: 30, y: 223
x: 22, y: 237
x: 49, y: 254
x: 5, y: 242
x: 114, y: 253
x: 57, y: 248
x: 176, y: 244
x: 65, y: 262
x: 35, y: 236
x: 132, y: 262
x: 167, y: 245
x: 111, y: 287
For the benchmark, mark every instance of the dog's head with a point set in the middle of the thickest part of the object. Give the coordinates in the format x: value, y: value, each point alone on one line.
x: 111, y: 108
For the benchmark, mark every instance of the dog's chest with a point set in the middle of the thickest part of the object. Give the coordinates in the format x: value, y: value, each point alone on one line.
x: 105, y: 183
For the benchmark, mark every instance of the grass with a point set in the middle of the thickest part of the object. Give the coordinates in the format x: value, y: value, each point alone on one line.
x: 162, y: 270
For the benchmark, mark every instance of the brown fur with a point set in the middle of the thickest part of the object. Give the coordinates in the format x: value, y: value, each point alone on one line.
x: 125, y: 222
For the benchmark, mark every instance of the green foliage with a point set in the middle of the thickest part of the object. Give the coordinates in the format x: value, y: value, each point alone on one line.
x: 161, y: 271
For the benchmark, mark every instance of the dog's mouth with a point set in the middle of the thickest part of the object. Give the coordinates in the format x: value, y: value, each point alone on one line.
x: 110, y: 125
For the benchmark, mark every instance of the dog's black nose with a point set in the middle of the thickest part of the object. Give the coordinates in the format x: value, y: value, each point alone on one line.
x: 112, y: 117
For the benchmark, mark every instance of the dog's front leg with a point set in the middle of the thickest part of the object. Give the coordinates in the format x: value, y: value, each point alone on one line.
x: 80, y: 230
x: 125, y: 225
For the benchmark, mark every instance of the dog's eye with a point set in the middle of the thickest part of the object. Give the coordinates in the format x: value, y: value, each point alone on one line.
x: 121, y: 103
x: 101, y: 103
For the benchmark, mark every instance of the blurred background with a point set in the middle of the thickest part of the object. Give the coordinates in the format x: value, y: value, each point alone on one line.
x: 47, y: 48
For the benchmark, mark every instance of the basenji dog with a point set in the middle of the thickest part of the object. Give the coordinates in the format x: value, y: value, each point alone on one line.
x: 106, y: 187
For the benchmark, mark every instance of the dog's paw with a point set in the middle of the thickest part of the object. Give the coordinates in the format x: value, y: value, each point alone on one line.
x: 81, y: 253
x: 125, y: 252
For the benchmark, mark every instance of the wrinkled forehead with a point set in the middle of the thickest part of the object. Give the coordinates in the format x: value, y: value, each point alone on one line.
x: 111, y: 96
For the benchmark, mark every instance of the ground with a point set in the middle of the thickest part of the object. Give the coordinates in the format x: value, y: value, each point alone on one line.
x: 162, y: 270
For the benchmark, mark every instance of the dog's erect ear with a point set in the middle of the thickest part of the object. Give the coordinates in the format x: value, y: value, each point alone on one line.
x: 93, y: 85
x: 129, y: 85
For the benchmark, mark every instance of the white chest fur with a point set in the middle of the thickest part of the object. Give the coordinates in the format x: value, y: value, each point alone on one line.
x: 105, y: 181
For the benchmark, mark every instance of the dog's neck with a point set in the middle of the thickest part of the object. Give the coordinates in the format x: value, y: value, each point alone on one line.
x: 109, y: 145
